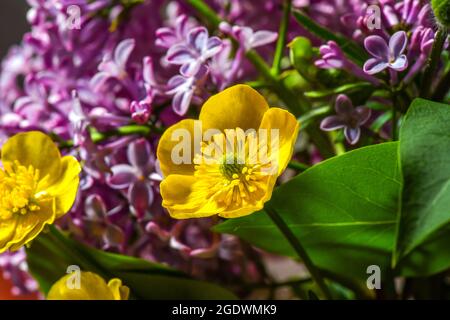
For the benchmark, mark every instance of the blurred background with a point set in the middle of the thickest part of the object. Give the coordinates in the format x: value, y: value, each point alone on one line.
x: 13, y: 23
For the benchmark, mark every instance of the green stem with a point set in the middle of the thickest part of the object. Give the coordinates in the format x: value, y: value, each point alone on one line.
x: 443, y: 87
x: 298, y: 166
x: 98, y: 137
x: 339, y: 147
x: 282, y: 35
x: 302, y: 254
x: 353, y: 50
x: 433, y: 62
x: 121, y: 131
x: 205, y: 11
x: 394, y: 124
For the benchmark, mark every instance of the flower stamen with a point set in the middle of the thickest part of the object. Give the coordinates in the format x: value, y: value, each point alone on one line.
x: 18, y: 185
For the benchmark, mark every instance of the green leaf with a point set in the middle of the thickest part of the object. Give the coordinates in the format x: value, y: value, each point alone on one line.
x: 52, y: 253
x: 430, y: 258
x: 354, y: 51
x: 425, y: 160
x: 342, y: 210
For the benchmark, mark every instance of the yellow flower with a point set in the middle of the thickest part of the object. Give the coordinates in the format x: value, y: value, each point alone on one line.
x: 226, y: 174
x: 90, y: 287
x: 36, y: 187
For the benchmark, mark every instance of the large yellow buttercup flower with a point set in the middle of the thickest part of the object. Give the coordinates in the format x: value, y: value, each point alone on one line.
x: 89, y: 286
x: 37, y: 186
x: 232, y: 170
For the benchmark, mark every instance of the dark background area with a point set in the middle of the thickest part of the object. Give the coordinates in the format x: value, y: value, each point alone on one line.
x: 13, y: 23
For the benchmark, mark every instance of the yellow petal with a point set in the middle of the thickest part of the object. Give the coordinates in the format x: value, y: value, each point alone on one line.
x: 65, y: 188
x: 7, y: 228
x: 170, y: 142
x: 36, y: 149
x: 250, y: 208
x: 184, y: 199
x: 29, y: 225
x: 288, y: 126
x: 237, y: 107
x: 119, y: 291
x: 91, y: 287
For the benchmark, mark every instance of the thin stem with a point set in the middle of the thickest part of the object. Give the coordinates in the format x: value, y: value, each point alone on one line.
x: 121, y: 131
x: 98, y: 137
x: 443, y: 87
x: 433, y: 61
x: 205, y: 11
x: 282, y: 35
x: 302, y: 254
x: 394, y: 124
x: 298, y: 166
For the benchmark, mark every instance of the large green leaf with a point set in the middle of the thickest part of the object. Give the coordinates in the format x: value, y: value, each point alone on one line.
x: 343, y: 211
x: 425, y: 160
x: 51, y: 254
x: 431, y: 257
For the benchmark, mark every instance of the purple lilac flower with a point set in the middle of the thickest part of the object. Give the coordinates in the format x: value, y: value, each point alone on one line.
x: 247, y: 37
x: 223, y: 68
x: 114, y: 66
x: 386, y: 56
x: 167, y: 37
x: 137, y: 177
x: 333, y: 57
x: 421, y: 44
x: 98, y: 223
x: 140, y: 111
x: 183, y: 90
x: 348, y: 118
x: 195, y: 52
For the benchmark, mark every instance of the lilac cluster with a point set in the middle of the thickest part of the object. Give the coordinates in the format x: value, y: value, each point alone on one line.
x: 386, y: 41
x: 397, y: 35
x: 131, y: 64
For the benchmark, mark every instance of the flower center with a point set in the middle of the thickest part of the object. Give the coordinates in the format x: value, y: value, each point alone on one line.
x: 18, y: 186
x: 232, y: 167
x: 229, y: 170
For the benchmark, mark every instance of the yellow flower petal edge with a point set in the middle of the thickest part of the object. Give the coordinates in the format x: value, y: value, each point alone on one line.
x: 87, y: 286
x: 167, y: 145
x: 37, y: 186
x: 238, y: 106
x: 235, y: 167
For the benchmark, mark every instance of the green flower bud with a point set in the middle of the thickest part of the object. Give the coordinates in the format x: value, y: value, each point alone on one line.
x: 441, y: 9
x: 301, y: 55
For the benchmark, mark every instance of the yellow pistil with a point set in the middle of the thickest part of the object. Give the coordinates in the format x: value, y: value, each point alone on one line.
x: 229, y: 170
x: 18, y: 185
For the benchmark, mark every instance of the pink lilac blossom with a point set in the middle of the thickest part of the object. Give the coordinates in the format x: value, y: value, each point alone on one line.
x: 348, y: 118
x: 386, y: 55
x: 398, y: 21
